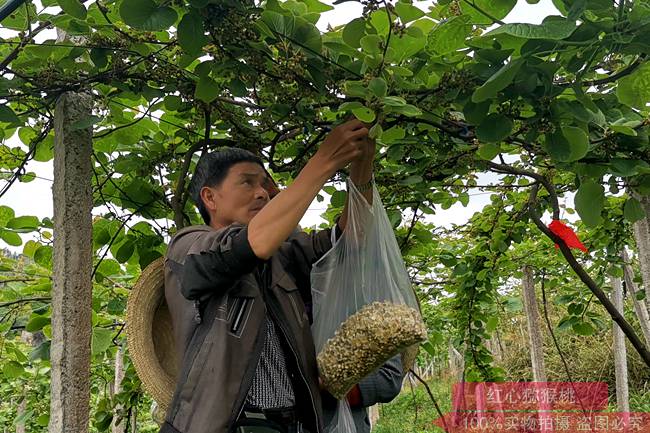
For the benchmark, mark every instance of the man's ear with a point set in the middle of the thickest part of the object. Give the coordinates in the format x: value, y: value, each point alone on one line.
x: 209, y: 198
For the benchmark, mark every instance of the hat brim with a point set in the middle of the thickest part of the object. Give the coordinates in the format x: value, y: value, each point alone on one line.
x: 150, y: 335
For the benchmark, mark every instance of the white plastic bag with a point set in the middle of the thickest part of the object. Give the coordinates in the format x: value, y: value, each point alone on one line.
x: 364, y: 271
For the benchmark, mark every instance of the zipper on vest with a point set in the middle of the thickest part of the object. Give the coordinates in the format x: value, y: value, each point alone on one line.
x: 243, y: 303
x: 197, y: 311
x: 293, y: 352
x: 249, y: 378
x: 259, y: 343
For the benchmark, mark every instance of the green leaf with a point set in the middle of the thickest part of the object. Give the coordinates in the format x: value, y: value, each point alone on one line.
x: 190, y: 33
x: 338, y: 198
x: 99, y: 57
x: 364, y: 114
x: 376, y: 131
x: 350, y: 105
x: 499, y: 81
x: 378, y: 86
x: 23, y: 222
x: 494, y: 128
x: 36, y: 323
x: 73, y: 8
x: 370, y: 44
x: 307, y: 35
x: 17, y: 20
x: 275, y: 21
x: 475, y: 113
x: 354, y: 31
x: 43, y: 420
x: 634, y: 90
x: 12, y: 369
x: 488, y: 151
x: 553, y: 27
x: 407, y: 12
x: 6, y: 213
x: 448, y: 259
x: 173, y: 102
x: 450, y: 35
x: 238, y: 87
x: 394, y: 101
x: 393, y: 134
x: 633, y: 211
x: 43, y: 256
x: 101, y: 340
x: 147, y: 257
x: 583, y: 328
x: 125, y: 251
x: 484, y: 11
x: 407, y: 110
x: 589, y: 202
x: 411, y: 180
x: 513, y: 304
x: 109, y: 267
x: 567, y: 145
x: 491, y: 323
x: 7, y: 115
x: 45, y: 150
x: 429, y: 348
x: 147, y: 15
x: 578, y: 141
x: 355, y: 88
x: 11, y: 238
x: 30, y: 248
x: 207, y: 89
x: 625, y: 130
x: 317, y: 6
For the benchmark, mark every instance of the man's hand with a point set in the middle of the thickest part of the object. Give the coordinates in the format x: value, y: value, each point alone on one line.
x: 346, y: 143
x: 274, y: 222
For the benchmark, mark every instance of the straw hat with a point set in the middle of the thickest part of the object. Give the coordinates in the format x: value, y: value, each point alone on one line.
x: 150, y: 336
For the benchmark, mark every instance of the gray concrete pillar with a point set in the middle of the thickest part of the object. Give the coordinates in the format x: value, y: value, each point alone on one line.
x: 72, y: 286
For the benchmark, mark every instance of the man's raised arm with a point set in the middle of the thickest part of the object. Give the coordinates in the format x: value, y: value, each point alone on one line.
x: 274, y: 222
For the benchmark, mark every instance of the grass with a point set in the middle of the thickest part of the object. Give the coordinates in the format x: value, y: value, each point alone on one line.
x: 412, y: 411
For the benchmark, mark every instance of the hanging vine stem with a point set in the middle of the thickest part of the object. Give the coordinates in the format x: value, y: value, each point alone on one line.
x: 411, y: 226
x: 415, y: 402
x: 555, y: 342
x: 433, y: 399
x: 587, y: 280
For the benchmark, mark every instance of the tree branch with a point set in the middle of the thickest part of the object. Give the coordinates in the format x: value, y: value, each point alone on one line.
x: 19, y: 301
x: 589, y: 282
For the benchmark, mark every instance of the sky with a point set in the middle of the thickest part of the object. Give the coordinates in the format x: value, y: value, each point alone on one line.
x: 35, y: 198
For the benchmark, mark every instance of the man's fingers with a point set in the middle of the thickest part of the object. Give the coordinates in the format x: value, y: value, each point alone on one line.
x: 353, y: 124
x: 358, y: 133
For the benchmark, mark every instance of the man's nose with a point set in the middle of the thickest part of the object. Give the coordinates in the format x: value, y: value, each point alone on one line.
x: 261, y: 192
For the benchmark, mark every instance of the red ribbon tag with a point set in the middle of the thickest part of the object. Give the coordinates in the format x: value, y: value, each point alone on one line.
x: 567, y: 234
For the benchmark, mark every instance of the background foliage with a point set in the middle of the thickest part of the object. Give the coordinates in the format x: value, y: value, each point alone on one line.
x: 556, y: 111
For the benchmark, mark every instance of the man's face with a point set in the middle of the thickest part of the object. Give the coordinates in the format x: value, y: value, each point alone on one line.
x: 239, y: 197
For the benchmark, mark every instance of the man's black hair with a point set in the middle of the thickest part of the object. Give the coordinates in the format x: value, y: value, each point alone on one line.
x: 212, y: 169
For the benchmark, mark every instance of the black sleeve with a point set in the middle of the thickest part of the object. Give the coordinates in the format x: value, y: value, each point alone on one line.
x: 215, y: 260
x: 383, y: 385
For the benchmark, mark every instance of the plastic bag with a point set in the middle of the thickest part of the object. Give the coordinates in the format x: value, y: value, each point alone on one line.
x: 365, y: 311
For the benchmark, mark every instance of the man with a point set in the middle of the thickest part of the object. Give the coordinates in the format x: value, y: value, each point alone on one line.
x: 239, y: 296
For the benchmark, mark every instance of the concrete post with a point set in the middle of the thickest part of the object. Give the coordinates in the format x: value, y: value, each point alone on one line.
x: 72, y: 286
